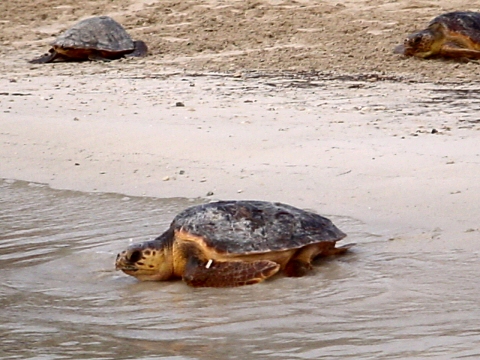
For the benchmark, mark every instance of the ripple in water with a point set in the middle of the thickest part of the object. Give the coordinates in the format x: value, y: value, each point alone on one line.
x: 60, y: 297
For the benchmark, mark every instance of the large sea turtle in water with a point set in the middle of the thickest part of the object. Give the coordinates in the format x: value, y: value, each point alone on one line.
x: 451, y: 35
x: 97, y: 38
x: 233, y: 243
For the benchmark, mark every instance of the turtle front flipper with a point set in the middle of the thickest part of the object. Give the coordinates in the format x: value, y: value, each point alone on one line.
x: 453, y: 52
x: 98, y: 56
x: 227, y: 273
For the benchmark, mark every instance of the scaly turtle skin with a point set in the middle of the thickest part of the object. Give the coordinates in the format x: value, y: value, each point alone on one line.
x: 233, y: 243
x: 452, y: 35
x: 97, y: 38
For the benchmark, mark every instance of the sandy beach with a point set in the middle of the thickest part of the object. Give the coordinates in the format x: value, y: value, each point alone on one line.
x: 300, y: 102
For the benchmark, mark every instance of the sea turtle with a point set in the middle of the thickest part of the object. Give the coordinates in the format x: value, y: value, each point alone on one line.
x: 451, y: 35
x: 97, y: 38
x: 233, y: 243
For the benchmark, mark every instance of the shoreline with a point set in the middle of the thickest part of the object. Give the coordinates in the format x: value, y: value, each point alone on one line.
x: 354, y: 151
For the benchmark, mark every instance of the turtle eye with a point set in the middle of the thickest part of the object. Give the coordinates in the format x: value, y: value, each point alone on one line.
x: 135, y: 256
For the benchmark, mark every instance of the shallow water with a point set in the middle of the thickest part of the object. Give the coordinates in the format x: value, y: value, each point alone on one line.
x: 61, y: 298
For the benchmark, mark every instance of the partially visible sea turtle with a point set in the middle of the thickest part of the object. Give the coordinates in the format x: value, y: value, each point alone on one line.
x: 233, y: 243
x: 97, y: 38
x: 451, y: 35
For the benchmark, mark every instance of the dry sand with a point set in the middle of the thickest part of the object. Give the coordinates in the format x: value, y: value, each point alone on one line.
x: 295, y: 101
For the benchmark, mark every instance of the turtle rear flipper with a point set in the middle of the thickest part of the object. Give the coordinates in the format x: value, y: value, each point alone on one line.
x: 228, y: 273
x: 141, y: 49
x: 338, y: 250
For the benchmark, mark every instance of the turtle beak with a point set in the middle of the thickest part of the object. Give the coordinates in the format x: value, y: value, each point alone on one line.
x: 127, y: 259
x: 400, y: 49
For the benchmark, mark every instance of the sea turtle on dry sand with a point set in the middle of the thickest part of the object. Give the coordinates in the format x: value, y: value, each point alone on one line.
x: 97, y: 38
x: 233, y: 243
x: 451, y: 35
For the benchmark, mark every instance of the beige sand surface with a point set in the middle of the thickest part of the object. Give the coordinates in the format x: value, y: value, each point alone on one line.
x: 311, y: 108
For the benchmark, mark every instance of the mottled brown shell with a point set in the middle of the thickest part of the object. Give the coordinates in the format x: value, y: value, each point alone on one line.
x: 98, y: 33
x: 466, y: 23
x: 246, y: 227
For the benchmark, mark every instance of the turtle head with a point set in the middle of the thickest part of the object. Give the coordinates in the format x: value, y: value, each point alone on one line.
x: 423, y: 44
x: 148, y: 261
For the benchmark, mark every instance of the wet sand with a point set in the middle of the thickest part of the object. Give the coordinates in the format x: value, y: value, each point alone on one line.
x: 367, y: 134
x: 384, y: 153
